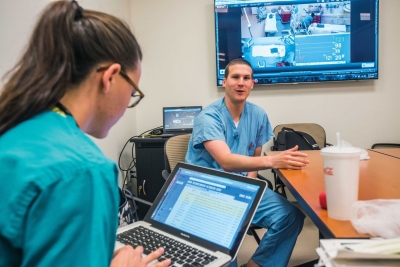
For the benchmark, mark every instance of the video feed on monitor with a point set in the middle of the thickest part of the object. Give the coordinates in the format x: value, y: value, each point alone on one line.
x: 278, y: 40
x: 180, y: 118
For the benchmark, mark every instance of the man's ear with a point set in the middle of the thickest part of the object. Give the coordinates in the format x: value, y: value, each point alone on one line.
x: 109, y: 76
x: 253, y: 82
x: 223, y: 82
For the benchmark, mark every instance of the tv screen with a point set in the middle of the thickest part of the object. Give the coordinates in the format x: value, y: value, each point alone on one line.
x: 295, y: 41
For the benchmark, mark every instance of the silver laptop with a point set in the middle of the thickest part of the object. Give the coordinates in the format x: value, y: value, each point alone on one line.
x: 200, y: 217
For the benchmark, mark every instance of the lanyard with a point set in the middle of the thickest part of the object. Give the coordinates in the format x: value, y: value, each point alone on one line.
x: 62, y: 110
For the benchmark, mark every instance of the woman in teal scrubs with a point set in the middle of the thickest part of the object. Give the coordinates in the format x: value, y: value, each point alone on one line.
x: 58, y: 192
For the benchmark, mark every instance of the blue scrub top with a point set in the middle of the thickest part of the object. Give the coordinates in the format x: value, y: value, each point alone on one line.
x: 215, y: 123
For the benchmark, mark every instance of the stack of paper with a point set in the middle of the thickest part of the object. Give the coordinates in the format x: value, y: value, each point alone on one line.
x: 359, y: 252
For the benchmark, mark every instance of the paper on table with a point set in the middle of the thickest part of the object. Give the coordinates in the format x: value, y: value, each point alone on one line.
x: 385, y: 246
x: 360, y: 248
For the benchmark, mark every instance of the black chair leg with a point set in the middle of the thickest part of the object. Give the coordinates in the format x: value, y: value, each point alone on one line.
x: 255, y: 235
x: 279, y: 185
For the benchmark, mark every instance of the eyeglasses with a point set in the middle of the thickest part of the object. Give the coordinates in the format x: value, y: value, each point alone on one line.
x: 136, y: 96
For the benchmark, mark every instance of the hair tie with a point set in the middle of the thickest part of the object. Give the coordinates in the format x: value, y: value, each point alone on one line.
x: 78, y: 11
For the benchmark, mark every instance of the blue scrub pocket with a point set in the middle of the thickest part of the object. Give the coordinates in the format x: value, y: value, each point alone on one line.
x: 251, y: 148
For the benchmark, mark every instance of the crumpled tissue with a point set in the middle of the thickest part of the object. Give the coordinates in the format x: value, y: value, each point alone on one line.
x: 378, y: 217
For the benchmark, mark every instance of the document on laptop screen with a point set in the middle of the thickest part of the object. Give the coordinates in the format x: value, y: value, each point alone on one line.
x: 206, y: 206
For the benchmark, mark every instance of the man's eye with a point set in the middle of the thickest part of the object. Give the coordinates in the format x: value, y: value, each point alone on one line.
x: 235, y: 77
x: 247, y: 78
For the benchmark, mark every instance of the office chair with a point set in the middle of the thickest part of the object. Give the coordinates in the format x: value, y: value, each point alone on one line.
x: 175, y: 149
x: 313, y: 129
x: 385, y: 145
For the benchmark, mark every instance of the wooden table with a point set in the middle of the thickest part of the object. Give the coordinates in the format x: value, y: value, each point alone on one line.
x: 393, y: 152
x: 379, y: 178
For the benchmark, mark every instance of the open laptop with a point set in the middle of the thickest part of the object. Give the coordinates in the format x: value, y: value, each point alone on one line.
x: 200, y: 217
x: 179, y: 120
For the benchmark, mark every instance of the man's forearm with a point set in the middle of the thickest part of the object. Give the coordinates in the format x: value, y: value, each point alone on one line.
x: 240, y: 163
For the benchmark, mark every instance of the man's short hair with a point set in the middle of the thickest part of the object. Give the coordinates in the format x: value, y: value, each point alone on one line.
x: 238, y: 61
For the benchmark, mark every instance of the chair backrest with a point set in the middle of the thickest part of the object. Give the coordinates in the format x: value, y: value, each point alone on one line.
x: 385, y: 145
x: 175, y: 150
x: 313, y: 129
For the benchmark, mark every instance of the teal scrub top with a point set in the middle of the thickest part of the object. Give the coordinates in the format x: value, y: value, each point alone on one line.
x: 58, y: 196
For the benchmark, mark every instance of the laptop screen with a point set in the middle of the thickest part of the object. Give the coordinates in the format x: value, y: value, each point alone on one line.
x: 211, y: 207
x: 179, y: 119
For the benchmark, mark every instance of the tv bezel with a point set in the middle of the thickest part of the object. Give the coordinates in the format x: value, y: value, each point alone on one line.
x: 330, y: 75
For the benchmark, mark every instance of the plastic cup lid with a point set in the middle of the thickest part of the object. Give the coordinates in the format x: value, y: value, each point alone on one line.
x: 343, y: 150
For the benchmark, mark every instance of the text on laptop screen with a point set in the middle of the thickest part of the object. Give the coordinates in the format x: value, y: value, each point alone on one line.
x: 223, y: 204
x: 179, y: 118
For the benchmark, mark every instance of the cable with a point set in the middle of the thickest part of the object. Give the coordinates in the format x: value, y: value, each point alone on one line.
x: 132, y: 164
x: 135, y: 208
x: 151, y: 130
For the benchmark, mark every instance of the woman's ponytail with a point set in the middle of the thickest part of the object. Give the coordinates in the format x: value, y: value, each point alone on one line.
x: 66, y: 45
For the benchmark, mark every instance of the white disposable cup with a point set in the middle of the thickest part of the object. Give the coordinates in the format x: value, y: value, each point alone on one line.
x: 341, y: 175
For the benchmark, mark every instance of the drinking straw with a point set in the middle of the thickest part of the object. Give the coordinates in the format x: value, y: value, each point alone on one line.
x: 339, y: 140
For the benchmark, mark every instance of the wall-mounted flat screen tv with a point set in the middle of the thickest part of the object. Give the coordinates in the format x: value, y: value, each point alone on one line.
x: 295, y: 41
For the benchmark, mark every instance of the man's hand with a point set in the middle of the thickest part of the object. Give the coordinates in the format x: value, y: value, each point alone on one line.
x: 289, y: 159
x: 130, y: 257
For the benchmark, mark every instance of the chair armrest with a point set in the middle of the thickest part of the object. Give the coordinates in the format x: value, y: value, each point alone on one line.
x: 165, y: 174
x: 142, y: 201
x: 385, y: 145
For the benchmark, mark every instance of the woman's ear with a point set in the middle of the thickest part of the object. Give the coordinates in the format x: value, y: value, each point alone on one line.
x: 109, y: 76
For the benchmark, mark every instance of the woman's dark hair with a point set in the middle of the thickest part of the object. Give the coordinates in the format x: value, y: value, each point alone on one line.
x: 238, y: 61
x: 67, y: 44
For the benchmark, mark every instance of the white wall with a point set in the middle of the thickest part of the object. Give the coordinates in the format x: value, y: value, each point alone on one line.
x: 177, y: 38
x: 17, y: 19
x: 178, y: 41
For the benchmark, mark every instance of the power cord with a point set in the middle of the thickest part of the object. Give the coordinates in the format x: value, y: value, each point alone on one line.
x: 132, y: 165
x: 149, y: 133
x: 129, y: 195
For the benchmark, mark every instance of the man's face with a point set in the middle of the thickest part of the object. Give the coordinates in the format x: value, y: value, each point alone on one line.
x: 238, y: 84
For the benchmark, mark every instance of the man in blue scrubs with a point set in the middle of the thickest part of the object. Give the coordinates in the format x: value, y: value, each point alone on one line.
x: 228, y: 135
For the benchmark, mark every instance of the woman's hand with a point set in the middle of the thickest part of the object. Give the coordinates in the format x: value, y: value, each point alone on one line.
x: 129, y: 257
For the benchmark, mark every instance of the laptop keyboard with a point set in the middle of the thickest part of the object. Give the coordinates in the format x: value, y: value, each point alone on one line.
x: 180, y: 254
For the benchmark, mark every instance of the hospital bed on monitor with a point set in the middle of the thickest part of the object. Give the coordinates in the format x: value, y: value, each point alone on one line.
x: 267, y: 55
x: 317, y: 28
x: 270, y: 24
